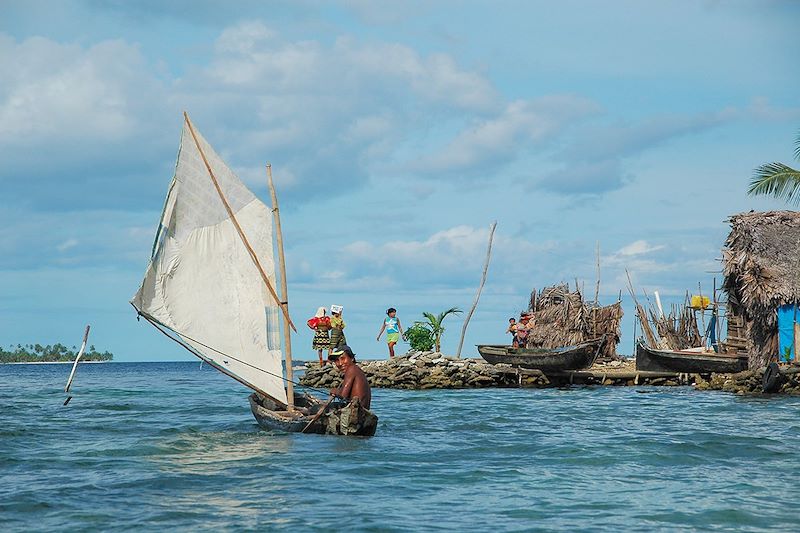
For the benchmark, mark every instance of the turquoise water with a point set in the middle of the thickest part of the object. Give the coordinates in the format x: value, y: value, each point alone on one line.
x: 151, y: 446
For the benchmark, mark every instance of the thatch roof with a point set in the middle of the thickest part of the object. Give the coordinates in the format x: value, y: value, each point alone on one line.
x: 563, y: 318
x: 761, y: 265
x: 761, y: 259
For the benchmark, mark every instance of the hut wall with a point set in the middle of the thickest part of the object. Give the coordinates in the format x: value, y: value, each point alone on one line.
x: 737, y: 337
x: 762, y: 273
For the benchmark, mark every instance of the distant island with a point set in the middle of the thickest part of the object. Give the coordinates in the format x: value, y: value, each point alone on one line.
x: 57, y: 353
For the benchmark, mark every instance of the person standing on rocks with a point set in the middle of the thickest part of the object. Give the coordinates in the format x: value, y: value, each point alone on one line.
x: 337, y: 327
x: 393, y: 328
x: 321, y: 324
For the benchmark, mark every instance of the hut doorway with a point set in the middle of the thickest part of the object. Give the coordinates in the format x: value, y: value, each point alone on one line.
x: 788, y: 332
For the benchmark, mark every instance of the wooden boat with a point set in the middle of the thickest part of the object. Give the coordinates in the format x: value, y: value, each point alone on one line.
x: 350, y: 419
x: 687, y: 361
x: 210, y: 287
x: 575, y: 357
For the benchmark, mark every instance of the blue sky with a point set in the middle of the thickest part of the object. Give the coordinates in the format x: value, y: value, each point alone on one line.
x: 398, y: 132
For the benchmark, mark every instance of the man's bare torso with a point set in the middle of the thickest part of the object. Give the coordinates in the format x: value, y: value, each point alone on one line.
x: 358, y: 385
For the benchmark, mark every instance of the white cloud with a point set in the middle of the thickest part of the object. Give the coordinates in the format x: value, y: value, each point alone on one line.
x: 53, y: 91
x: 448, y: 258
x: 639, y: 247
x: 66, y: 245
x: 522, y: 124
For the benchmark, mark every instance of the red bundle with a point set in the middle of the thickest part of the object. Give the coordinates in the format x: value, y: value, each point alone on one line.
x: 315, y: 322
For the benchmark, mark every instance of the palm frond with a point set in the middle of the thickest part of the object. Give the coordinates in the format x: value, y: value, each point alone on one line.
x: 776, y: 180
x: 797, y: 147
x: 452, y: 310
x: 431, y: 318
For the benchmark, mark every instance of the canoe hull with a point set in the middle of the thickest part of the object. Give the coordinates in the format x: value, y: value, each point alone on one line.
x: 652, y: 360
x: 352, y: 419
x: 558, y: 360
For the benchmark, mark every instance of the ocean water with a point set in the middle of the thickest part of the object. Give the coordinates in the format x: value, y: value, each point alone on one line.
x: 171, y: 446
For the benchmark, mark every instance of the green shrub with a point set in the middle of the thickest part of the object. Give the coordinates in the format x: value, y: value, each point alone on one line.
x: 419, y: 336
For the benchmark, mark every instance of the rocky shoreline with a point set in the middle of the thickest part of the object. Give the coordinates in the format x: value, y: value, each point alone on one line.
x: 751, y: 382
x: 431, y: 370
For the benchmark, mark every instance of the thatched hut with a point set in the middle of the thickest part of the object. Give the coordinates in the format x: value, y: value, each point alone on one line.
x: 761, y: 265
x: 563, y: 318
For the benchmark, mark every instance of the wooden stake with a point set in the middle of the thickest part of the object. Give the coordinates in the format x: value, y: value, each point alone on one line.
x: 480, y: 288
x: 287, y: 336
x: 75, y: 364
x: 596, y: 294
x: 597, y: 286
x: 252, y: 253
x: 702, y: 312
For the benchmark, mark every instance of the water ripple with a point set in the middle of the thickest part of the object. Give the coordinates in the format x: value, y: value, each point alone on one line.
x: 157, y: 446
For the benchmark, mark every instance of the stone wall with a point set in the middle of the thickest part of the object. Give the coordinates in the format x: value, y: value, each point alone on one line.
x: 429, y: 370
x: 751, y: 382
x: 420, y: 370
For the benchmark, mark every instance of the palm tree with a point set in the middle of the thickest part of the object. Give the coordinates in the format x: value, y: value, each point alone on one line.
x: 435, y: 325
x: 778, y: 180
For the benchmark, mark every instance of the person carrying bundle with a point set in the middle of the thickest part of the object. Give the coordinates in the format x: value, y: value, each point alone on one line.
x: 337, y: 327
x: 321, y: 324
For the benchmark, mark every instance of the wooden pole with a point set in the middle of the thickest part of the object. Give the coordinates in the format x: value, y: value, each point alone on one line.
x: 596, y: 294
x: 480, y: 288
x: 239, y: 230
x: 702, y: 312
x: 597, y: 286
x: 287, y: 336
x: 77, y: 358
x: 319, y: 414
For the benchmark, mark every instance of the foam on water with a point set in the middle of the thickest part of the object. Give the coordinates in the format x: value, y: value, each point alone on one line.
x: 151, y: 446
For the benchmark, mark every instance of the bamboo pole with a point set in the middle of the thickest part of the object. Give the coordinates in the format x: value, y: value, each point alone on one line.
x: 480, y: 288
x: 287, y: 336
x: 702, y: 312
x: 239, y: 230
x: 597, y: 286
x: 596, y: 294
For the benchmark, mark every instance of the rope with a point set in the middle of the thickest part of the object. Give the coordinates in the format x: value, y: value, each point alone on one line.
x: 193, y: 351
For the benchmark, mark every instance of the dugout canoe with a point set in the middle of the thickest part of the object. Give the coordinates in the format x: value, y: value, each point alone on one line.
x: 575, y: 357
x: 686, y: 361
x: 351, y: 419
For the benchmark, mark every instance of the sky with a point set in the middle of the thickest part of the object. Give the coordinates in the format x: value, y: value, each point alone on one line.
x: 398, y: 132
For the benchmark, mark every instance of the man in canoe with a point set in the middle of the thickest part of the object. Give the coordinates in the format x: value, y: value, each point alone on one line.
x: 354, y: 384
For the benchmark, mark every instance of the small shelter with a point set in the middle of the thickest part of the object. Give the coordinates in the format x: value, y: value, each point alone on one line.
x: 563, y: 318
x: 761, y: 265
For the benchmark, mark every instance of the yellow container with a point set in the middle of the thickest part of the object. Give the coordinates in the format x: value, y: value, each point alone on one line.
x: 700, y: 302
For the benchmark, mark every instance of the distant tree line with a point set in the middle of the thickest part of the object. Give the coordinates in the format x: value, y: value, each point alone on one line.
x: 36, y: 353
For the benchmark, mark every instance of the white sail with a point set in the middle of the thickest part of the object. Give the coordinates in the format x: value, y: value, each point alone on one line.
x: 201, y: 281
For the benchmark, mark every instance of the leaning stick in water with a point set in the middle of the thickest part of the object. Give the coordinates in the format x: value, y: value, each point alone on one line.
x: 318, y: 415
x: 480, y: 288
x: 75, y: 364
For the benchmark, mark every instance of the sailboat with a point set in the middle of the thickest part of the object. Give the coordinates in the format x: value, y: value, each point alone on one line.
x: 210, y: 287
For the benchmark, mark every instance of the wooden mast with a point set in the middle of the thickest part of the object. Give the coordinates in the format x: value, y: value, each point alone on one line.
x: 287, y: 336
x: 236, y: 223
